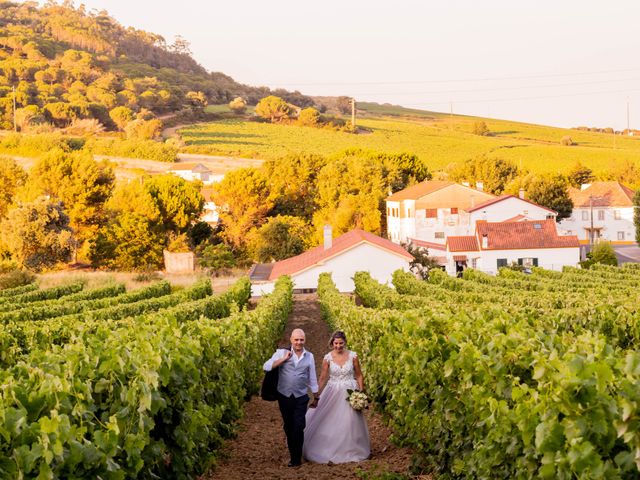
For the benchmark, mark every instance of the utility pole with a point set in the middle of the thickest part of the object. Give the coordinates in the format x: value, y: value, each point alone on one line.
x: 15, y: 125
x: 353, y: 113
x: 591, y: 215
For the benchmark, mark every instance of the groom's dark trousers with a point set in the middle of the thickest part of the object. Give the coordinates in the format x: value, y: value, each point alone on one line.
x: 293, y: 412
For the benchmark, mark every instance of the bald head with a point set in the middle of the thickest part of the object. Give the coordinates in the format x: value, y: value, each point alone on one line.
x: 297, y: 340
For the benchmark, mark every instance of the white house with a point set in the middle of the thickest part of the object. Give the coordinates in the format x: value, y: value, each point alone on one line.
x: 433, y: 211
x: 195, y: 171
x: 499, y: 244
x: 343, y: 256
x: 601, y: 211
x: 209, y: 210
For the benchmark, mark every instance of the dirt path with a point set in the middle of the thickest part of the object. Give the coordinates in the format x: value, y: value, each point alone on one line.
x: 260, y: 449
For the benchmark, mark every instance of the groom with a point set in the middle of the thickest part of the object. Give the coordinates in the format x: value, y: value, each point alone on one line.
x: 297, y: 374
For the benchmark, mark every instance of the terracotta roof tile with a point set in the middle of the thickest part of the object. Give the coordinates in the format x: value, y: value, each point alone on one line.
x: 462, y: 244
x: 605, y: 194
x: 506, y: 197
x: 340, y: 244
x: 525, y: 234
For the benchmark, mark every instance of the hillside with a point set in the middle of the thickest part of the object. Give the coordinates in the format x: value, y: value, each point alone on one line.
x: 67, y: 63
x: 438, y: 139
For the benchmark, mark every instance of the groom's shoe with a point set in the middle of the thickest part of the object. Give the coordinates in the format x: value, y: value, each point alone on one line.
x: 293, y: 464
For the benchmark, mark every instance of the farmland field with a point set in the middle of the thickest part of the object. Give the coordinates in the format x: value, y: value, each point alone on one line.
x: 513, y: 376
x: 436, y: 138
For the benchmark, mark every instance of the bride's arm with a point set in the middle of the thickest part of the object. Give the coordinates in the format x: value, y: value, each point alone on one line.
x: 324, y: 376
x: 358, y: 373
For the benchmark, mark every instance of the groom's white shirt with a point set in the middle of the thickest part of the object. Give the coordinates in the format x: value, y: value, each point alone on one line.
x: 293, y: 385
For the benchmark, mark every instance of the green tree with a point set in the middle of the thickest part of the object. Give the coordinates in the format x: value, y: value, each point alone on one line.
x: 602, y: 253
x: 216, y: 258
x: 579, y: 175
x: 37, y: 234
x: 244, y: 200
x: 12, y: 177
x: 129, y: 242
x: 309, y: 117
x: 238, y: 105
x: 494, y: 173
x: 121, y: 116
x: 178, y: 201
x: 293, y: 183
x: 273, y: 108
x: 350, y: 192
x: 422, y: 263
x: 143, y: 129
x: 197, y: 99
x: 279, y: 238
x: 82, y: 184
x: 480, y: 128
x: 551, y: 192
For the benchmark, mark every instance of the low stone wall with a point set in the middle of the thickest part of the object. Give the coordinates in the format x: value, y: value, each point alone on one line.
x: 183, y: 262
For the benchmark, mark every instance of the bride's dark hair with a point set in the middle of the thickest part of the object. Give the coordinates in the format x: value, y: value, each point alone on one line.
x: 337, y: 334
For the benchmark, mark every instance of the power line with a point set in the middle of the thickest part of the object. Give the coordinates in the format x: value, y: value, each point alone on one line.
x: 481, y: 79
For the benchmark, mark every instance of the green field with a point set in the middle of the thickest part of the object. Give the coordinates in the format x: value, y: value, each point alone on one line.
x: 438, y: 139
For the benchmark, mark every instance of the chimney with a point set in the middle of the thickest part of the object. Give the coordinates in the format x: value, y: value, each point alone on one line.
x: 521, y: 193
x: 485, y: 241
x: 479, y: 186
x: 328, y: 237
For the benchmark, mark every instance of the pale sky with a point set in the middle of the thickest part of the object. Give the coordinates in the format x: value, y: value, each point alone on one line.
x: 563, y: 63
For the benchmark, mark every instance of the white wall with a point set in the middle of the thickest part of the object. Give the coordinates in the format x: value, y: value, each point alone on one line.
x: 365, y: 257
x: 549, y: 258
x: 506, y: 209
x: 576, y: 225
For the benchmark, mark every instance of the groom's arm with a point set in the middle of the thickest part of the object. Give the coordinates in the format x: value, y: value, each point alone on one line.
x: 313, y: 379
x: 276, y: 359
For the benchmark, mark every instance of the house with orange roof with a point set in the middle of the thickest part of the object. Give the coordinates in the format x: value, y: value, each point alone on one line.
x: 601, y: 211
x: 432, y: 211
x: 343, y: 256
x: 499, y: 244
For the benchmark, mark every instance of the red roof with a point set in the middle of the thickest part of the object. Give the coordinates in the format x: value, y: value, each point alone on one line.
x: 604, y: 194
x: 429, y: 245
x: 506, y: 197
x: 462, y: 244
x: 344, y: 242
x: 521, y: 235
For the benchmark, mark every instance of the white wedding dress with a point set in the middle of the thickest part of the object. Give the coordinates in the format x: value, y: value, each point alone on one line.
x: 335, y: 432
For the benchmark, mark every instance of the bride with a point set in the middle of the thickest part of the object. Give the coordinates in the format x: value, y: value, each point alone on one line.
x: 335, y: 432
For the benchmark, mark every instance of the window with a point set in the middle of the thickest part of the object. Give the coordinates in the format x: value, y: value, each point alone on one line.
x: 569, y: 232
x: 528, y: 262
x: 617, y: 214
x: 620, y: 235
x: 537, y: 226
x: 474, y: 263
x: 525, y: 212
x: 388, y: 212
x: 585, y: 215
x: 432, y: 213
x: 408, y: 212
x: 438, y: 235
x: 600, y: 214
x: 454, y: 210
x: 502, y: 262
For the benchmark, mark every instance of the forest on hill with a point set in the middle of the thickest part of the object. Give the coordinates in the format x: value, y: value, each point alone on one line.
x: 66, y: 64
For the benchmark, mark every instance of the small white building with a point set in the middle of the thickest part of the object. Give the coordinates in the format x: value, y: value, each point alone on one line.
x: 601, y: 211
x: 499, y: 244
x: 343, y: 256
x: 195, y: 171
x: 209, y: 210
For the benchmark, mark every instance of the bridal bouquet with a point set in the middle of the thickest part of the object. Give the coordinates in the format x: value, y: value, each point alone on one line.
x: 357, y: 399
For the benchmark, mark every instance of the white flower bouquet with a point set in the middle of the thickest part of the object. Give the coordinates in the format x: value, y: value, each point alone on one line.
x: 357, y: 399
